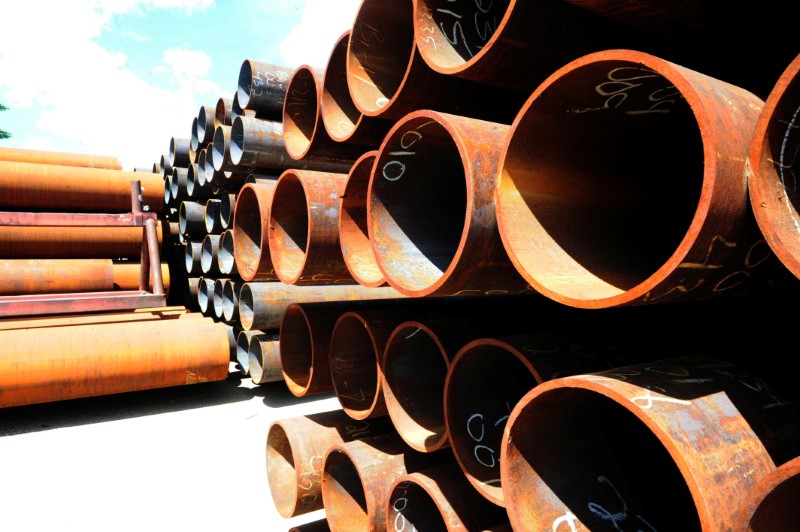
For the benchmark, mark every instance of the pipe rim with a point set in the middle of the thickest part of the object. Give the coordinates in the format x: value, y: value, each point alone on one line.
x: 351, y: 332
x: 339, y: 113
x: 301, y: 111
x: 289, y: 233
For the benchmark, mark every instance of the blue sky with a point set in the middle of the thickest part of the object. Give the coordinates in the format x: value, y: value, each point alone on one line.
x: 122, y: 77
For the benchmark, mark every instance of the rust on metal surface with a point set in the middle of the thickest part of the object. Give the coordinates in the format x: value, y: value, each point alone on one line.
x: 222, y: 113
x: 22, y: 155
x: 265, y: 358
x: 251, y: 215
x: 76, y: 242
x: 97, y: 318
x: 587, y: 230
x: 772, y: 504
x: 227, y: 264
x: 180, y: 149
x: 126, y: 276
x: 230, y: 299
x: 191, y: 220
x: 209, y: 263
x: 262, y: 88
x: 243, y: 349
x: 53, y: 276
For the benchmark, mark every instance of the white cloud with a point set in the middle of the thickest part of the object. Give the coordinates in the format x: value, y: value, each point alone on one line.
x: 323, y: 22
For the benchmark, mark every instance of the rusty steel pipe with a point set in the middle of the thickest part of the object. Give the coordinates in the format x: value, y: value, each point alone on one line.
x: 221, y: 150
x: 205, y: 296
x: 83, y: 160
x: 167, y: 194
x: 222, y: 113
x: 230, y: 299
x: 70, y: 188
x: 205, y: 124
x: 193, y: 252
x: 430, y: 207
x: 243, y: 349
x: 238, y: 110
x: 95, y: 318
x: 250, y: 232
x: 262, y: 304
x: 227, y: 204
x: 357, y: 477
x: 265, y: 358
x: 227, y: 263
x: 258, y: 143
x: 166, y: 166
x: 212, y: 222
x: 194, y: 142
x: 196, y: 187
x: 191, y: 220
x: 262, y: 88
x: 295, y: 450
x: 303, y: 229
x: 772, y: 504
x: 608, y: 448
x: 117, y: 357
x: 126, y: 276
x: 200, y: 176
x: 216, y: 303
x: 770, y: 169
x: 385, y: 72
x: 212, y: 176
x: 304, y: 132
x: 180, y: 152
x: 439, y: 498
x: 71, y: 242
x: 177, y: 184
x: 53, y: 276
x: 341, y: 118
x: 209, y: 264
x: 589, y: 231
x: 353, y: 230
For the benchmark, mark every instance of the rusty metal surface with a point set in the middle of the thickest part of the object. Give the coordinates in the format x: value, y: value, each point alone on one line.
x: 353, y: 231
x: 230, y: 299
x: 243, y: 349
x: 262, y: 88
x: 439, y: 498
x: 48, y: 276
x: 126, y: 276
x: 221, y: 150
x: 180, y: 152
x: 69, y: 188
x: 265, y: 358
x: 251, y: 215
x: 303, y: 230
x: 587, y: 230
x: 205, y: 124
x: 295, y: 450
x: 145, y: 355
x: 192, y: 253
x: 70, y: 242
x: 431, y: 204
x: 340, y: 116
x: 191, y: 220
x: 141, y: 314
x: 22, y: 155
x: 611, y: 447
x: 209, y: 263
x: 70, y: 303
x: 227, y: 264
x: 772, y: 504
x: 222, y: 113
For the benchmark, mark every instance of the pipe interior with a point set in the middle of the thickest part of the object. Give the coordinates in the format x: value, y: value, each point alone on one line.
x: 203, y: 295
x: 190, y: 256
x: 195, y: 141
x: 243, y: 351
x: 597, y: 191
x: 582, y: 452
x: 191, y: 178
x: 484, y: 384
x: 247, y: 233
x: 246, y: 314
x: 210, y: 215
x: 344, y: 497
x: 380, y: 50
x: 219, y: 288
x: 227, y: 206
x: 209, y: 252
x: 339, y: 112
x: 255, y: 359
x: 281, y: 472
x: 353, y: 228
x: 297, y: 349
x: 354, y: 365
x: 415, y: 370
x: 453, y: 33
x: 300, y: 112
x: 411, y: 507
x: 244, y: 83
x: 182, y: 217
x: 289, y: 227
x: 218, y: 148
x: 418, y: 204
x: 237, y: 140
x: 226, y: 251
x: 229, y: 300
x: 202, y: 124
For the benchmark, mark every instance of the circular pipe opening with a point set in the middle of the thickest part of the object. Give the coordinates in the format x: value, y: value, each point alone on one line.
x: 192, y: 254
x: 289, y: 228
x: 411, y: 507
x: 211, y: 215
x: 220, y: 147
x: 343, y: 493
x: 414, y: 371
x: 205, y: 293
x: 244, y: 83
x: 246, y: 313
x: 195, y: 141
x: 247, y: 233
x: 417, y: 206
x: 339, y: 113
x: 226, y: 261
x: 229, y: 301
x: 222, y: 113
x: 205, y: 124
x: 582, y: 452
x: 593, y: 224
x: 354, y: 365
x: 208, y: 256
x: 191, y: 179
x: 255, y: 360
x: 227, y: 208
x: 281, y: 472
x: 237, y: 140
x: 300, y: 112
x: 219, y: 288
x: 243, y: 351
x: 182, y: 218
x: 297, y: 349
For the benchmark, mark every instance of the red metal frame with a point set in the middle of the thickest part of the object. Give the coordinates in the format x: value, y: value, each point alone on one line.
x: 40, y: 304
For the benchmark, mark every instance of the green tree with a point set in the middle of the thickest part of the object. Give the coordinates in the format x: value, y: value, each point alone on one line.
x: 3, y: 133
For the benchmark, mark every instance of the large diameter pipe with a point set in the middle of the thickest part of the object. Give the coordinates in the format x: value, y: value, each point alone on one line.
x: 341, y: 118
x: 265, y: 358
x: 71, y: 242
x: 439, y: 498
x: 772, y: 504
x: 588, y: 231
x: 388, y: 78
x: 608, y: 448
x: 295, y: 450
x: 262, y: 304
x: 303, y: 229
x: 771, y: 177
x: 117, y: 357
x: 358, y: 475
x: 357, y: 251
x: 431, y: 207
x: 52, y: 276
x: 22, y: 155
x: 68, y: 188
x: 251, y: 217
x: 262, y: 88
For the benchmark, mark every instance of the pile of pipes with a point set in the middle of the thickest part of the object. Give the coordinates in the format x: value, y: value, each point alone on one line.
x: 500, y: 232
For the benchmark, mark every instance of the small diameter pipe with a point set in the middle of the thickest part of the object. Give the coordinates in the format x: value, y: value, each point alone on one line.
x: 209, y: 264
x: 243, y: 349
x: 53, y: 276
x: 177, y: 184
x: 216, y: 303
x: 237, y: 110
x: 700, y: 433
x: 179, y: 150
x: 221, y: 150
x: 71, y: 242
x: 230, y: 299
x: 250, y: 232
x: 194, y: 143
x: 262, y: 304
x: 166, y: 166
x: 588, y: 231
x: 196, y: 187
x: 191, y: 220
x: 295, y: 450
x: 265, y: 358
x: 357, y: 477
x: 115, y: 358
x: 341, y: 118
x: 303, y: 230
x: 227, y: 205
x: 193, y: 252
x: 205, y: 296
x: 439, y: 498
x: 431, y: 206
x: 222, y: 113
x: 205, y: 124
x: 22, y: 155
x: 353, y: 231
x: 262, y: 88
x: 211, y: 219
x: 227, y: 264
x: 772, y: 504
x: 212, y: 175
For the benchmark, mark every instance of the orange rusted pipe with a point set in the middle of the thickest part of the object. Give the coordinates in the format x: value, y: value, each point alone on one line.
x: 606, y: 449
x: 52, y: 276
x: 303, y: 229
x: 439, y: 498
x: 22, y: 155
x: 341, y: 118
x: 250, y: 231
x: 115, y: 358
x: 126, y: 276
x: 265, y: 358
x: 589, y: 231
x: 295, y: 450
x: 69, y: 188
x: 75, y: 242
x: 96, y: 318
x: 353, y: 231
x: 772, y: 504
x: 431, y: 206
x: 222, y: 113
x: 262, y: 87
x: 357, y: 477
